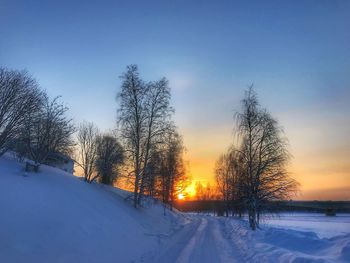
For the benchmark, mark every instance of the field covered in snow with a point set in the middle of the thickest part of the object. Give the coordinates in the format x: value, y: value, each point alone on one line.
x: 53, y: 216
x: 287, y: 242
x: 323, y: 226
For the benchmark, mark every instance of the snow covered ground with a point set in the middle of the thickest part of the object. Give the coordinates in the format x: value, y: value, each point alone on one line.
x: 323, y: 226
x: 213, y: 239
x: 53, y: 216
x: 276, y: 244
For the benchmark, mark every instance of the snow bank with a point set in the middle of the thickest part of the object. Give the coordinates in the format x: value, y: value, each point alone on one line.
x: 271, y: 244
x: 52, y: 216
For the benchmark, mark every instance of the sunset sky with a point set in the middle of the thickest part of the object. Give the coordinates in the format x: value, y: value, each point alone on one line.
x: 296, y: 53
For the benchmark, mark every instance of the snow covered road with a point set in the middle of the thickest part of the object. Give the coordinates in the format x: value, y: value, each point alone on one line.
x: 199, y: 241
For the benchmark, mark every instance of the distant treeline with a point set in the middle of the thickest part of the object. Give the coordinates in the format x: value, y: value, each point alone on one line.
x: 274, y: 206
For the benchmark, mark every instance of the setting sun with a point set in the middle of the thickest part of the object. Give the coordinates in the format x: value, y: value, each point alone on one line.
x: 180, y: 196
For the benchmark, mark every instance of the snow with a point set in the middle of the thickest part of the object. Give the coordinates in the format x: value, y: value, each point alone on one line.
x: 323, y: 226
x: 272, y: 244
x: 52, y: 216
x: 213, y: 239
x: 200, y: 241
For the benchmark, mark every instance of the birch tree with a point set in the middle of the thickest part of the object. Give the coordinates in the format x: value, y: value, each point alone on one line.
x: 87, y: 142
x: 264, y: 157
x: 132, y: 120
x: 144, y: 118
x: 158, y: 113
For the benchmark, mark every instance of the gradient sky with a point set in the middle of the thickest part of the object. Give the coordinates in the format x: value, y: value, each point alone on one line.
x: 297, y: 54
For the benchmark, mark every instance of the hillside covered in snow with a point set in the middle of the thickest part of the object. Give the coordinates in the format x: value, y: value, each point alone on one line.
x: 52, y: 216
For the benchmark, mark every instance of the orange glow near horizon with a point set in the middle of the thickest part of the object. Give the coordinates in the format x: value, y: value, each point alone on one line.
x: 190, y: 190
x: 322, y: 169
x: 323, y: 175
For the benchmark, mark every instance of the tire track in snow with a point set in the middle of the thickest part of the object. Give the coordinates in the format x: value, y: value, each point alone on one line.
x: 228, y: 251
x: 189, y: 248
x: 171, y: 247
x: 202, y: 240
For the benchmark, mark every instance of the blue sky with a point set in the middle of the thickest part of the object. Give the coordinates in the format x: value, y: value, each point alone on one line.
x: 297, y: 54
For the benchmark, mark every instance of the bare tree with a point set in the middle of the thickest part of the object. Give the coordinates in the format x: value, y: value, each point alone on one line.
x: 205, y: 191
x: 152, y: 175
x: 109, y: 157
x: 263, y: 156
x: 223, y: 175
x: 19, y: 95
x: 227, y: 171
x: 47, y: 131
x: 144, y: 118
x: 87, y: 142
x: 173, y: 170
x: 132, y: 121
x: 158, y: 113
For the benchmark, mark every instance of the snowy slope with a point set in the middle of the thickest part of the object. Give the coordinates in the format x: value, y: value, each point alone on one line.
x: 53, y: 216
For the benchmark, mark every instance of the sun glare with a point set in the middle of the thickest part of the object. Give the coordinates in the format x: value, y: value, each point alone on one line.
x: 191, y: 190
x: 180, y: 196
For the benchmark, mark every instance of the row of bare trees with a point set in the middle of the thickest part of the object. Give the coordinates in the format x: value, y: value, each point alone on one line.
x: 150, y: 153
x: 205, y: 191
x: 34, y: 126
x: 253, y: 171
x: 30, y: 122
x: 146, y: 149
x: 99, y: 155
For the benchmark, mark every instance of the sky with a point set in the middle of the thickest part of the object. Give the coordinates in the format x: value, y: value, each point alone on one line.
x: 296, y: 53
